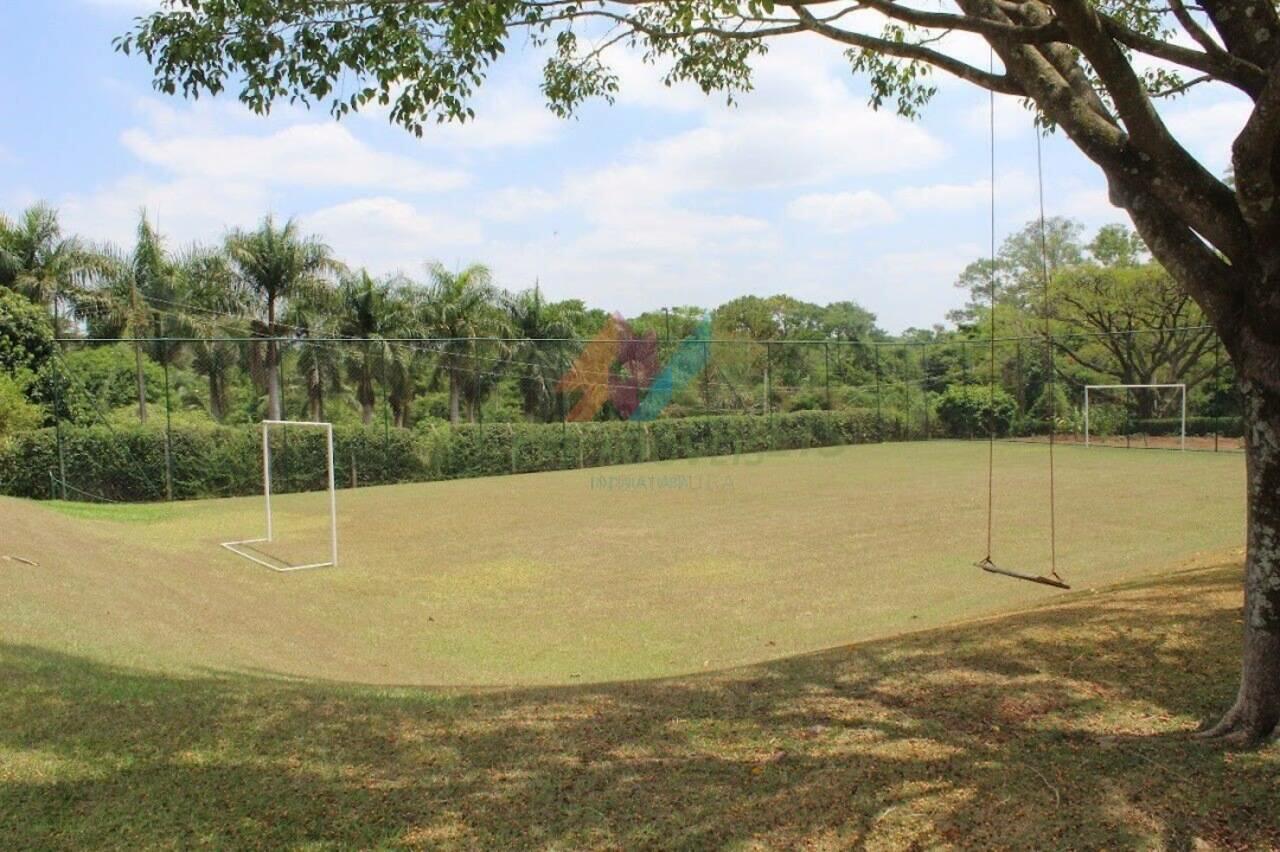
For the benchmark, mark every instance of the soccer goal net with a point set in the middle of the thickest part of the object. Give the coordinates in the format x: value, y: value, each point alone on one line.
x: 246, y: 547
x: 1155, y: 414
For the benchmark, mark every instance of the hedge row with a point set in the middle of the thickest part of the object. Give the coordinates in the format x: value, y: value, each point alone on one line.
x: 1229, y: 427
x: 129, y: 464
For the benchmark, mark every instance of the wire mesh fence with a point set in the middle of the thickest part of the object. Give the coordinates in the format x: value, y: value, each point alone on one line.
x: 135, y: 406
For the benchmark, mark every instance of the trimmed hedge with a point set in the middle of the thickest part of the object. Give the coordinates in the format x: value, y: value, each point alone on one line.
x: 215, y: 461
x: 1229, y: 427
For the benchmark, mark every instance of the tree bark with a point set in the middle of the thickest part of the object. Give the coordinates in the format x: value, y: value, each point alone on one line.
x: 273, y: 366
x: 141, y: 381
x: 216, y: 407
x: 1256, y: 711
x: 273, y: 381
x: 455, y: 407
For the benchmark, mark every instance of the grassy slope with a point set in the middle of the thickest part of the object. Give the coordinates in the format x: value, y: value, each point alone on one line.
x: 550, y: 578
x: 1063, y: 726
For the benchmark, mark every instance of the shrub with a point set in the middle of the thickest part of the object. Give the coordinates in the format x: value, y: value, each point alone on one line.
x: 967, y: 410
x: 26, y: 335
x: 16, y: 413
x: 128, y: 463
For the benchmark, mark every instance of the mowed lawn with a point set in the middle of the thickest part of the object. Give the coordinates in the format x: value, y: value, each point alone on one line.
x: 1062, y: 727
x: 601, y: 575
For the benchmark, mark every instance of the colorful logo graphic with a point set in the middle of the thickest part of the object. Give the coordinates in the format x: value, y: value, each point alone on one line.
x: 623, y: 368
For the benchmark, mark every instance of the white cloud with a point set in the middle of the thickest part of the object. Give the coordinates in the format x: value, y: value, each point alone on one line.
x: 1012, y: 186
x: 945, y: 196
x: 840, y: 212
x: 1209, y: 129
x: 305, y: 155
x: 515, y: 203
x: 186, y: 209
x: 386, y: 234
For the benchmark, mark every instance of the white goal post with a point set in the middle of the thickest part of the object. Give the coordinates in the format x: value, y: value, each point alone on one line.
x: 236, y: 547
x: 1182, y: 436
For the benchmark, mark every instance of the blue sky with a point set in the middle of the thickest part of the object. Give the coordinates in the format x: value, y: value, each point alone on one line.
x: 665, y: 198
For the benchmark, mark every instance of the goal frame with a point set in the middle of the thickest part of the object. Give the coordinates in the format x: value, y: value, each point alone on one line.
x: 281, y: 565
x: 1182, y: 438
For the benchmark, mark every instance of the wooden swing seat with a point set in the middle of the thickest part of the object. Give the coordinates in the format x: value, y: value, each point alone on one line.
x: 987, y: 565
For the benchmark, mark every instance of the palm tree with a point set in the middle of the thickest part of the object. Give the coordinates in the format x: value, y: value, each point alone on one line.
x: 274, y: 265
x: 368, y: 311
x: 120, y: 304
x: 457, y: 308
x: 212, y: 307
x: 38, y: 262
x: 319, y: 362
x: 540, y: 354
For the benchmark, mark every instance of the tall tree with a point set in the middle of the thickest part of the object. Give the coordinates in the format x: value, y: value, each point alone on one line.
x: 1139, y: 325
x: 1018, y: 268
x: 1094, y: 70
x: 367, y: 311
x: 273, y: 265
x: 455, y: 310
x: 211, y: 307
x: 40, y: 263
x: 320, y: 362
x: 542, y: 351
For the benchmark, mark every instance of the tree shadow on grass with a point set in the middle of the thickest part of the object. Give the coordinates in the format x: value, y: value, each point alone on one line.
x: 1065, y: 726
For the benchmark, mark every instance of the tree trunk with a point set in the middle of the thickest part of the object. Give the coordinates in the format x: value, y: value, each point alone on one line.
x: 273, y: 382
x: 317, y: 394
x: 216, y: 408
x: 455, y: 401
x: 274, y: 408
x: 1256, y: 711
x: 365, y: 393
x: 141, y: 380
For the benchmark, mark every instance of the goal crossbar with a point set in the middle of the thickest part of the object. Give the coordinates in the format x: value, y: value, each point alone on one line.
x: 241, y: 547
x: 1182, y: 436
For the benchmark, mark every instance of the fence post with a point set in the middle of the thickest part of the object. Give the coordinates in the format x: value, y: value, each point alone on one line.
x: 924, y: 387
x: 1022, y: 388
x: 57, y: 405
x: 1217, y: 381
x: 826, y: 374
x: 875, y: 347
x: 168, y: 437
x: 768, y: 362
x: 706, y: 377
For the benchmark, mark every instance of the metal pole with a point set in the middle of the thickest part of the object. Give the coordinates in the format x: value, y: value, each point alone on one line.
x: 168, y: 437
x: 1184, y: 419
x: 333, y: 502
x: 924, y: 387
x: 906, y: 385
x: 826, y: 375
x: 1086, y: 416
x: 875, y: 347
x: 768, y: 362
x: 1217, y: 379
x: 57, y: 410
x: 266, y: 474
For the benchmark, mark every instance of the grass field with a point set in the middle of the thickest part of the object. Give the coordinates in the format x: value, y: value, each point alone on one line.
x: 585, y: 576
x: 570, y: 660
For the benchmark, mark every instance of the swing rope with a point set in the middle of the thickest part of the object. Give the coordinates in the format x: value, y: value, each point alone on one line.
x: 1048, y: 343
x: 987, y: 563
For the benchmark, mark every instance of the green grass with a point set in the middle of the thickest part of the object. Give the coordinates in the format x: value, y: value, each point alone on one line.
x: 554, y: 578
x: 676, y: 663
x: 1061, y: 727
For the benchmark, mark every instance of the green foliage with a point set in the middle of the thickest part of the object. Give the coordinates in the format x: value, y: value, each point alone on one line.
x: 26, y: 334
x: 16, y: 413
x: 127, y: 462
x: 85, y: 385
x: 967, y: 410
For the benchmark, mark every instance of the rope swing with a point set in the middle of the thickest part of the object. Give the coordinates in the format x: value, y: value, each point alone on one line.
x: 987, y: 563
